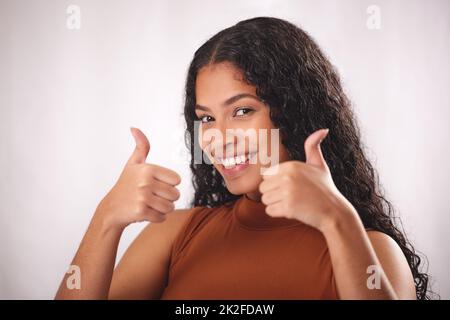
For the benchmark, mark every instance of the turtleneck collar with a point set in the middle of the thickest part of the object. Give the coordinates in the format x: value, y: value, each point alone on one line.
x: 251, y: 214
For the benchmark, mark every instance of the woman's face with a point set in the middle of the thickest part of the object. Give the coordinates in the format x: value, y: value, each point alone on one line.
x: 226, y: 103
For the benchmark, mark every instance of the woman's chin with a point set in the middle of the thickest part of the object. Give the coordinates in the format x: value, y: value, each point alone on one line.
x: 244, y: 181
x: 241, y: 186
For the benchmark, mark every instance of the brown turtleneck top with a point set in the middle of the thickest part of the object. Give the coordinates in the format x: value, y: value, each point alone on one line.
x: 240, y: 252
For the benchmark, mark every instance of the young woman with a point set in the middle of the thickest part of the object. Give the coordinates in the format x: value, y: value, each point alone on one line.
x: 314, y: 226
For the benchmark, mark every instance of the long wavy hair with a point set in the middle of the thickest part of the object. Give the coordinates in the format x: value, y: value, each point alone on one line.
x: 304, y: 93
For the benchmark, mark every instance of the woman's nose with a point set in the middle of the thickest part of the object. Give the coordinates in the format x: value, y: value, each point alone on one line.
x: 224, y: 144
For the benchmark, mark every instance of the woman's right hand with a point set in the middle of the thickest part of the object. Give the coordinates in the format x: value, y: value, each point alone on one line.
x: 143, y: 192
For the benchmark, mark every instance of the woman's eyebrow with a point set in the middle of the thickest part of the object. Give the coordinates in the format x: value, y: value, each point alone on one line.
x: 231, y: 100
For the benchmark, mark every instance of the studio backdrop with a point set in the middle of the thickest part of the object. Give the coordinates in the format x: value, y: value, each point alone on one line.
x: 76, y: 75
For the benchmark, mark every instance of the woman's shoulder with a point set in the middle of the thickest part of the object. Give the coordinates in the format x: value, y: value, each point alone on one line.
x: 178, y: 221
x: 187, y: 220
x: 180, y: 217
x: 191, y: 222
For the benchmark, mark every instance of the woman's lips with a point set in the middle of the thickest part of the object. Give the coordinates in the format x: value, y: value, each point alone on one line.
x: 237, y: 168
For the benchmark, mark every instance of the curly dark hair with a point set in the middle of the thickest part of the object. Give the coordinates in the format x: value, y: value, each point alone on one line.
x: 304, y: 92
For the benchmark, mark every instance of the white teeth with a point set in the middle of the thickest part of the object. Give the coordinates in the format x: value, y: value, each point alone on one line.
x: 231, y: 162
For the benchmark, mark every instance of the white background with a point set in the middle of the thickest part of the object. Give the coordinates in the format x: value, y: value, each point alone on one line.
x: 68, y: 98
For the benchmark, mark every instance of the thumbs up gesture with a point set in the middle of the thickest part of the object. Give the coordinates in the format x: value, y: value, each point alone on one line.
x: 304, y: 190
x: 143, y: 192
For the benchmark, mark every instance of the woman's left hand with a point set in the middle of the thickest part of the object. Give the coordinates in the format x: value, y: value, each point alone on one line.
x: 304, y: 190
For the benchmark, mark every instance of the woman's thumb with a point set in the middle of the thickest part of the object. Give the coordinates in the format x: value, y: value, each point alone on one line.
x: 142, y: 149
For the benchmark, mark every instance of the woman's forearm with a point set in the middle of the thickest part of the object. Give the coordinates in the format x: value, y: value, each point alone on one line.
x: 143, y: 192
x: 95, y: 260
x: 354, y: 260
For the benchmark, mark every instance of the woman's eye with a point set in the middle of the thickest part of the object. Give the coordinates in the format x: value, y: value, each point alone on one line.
x: 243, y: 111
x: 204, y: 119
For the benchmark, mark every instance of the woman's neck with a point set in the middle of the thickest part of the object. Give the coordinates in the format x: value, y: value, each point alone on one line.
x: 255, y: 196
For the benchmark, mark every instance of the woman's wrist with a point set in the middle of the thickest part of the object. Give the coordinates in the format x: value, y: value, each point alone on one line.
x: 342, y: 215
x: 103, y: 221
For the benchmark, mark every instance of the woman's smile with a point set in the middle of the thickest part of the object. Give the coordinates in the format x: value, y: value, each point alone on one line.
x: 233, y: 167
